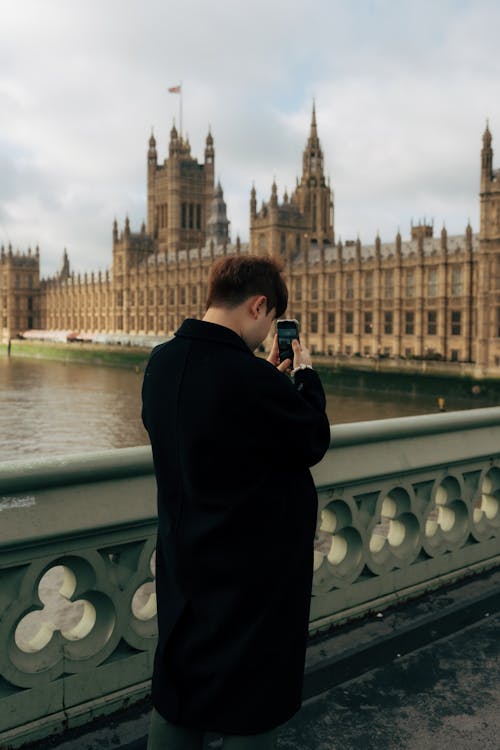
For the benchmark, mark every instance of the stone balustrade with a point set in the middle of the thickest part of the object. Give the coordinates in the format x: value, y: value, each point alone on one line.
x: 405, y: 505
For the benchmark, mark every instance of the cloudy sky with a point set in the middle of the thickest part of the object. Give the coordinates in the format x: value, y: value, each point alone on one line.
x: 403, y: 89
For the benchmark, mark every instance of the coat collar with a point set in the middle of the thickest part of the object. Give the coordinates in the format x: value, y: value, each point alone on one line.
x: 201, y: 329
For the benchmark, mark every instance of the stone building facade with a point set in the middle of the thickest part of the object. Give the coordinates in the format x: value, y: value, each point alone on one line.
x: 19, y: 291
x: 426, y: 297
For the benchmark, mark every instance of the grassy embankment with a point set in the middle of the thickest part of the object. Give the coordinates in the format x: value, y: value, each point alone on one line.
x: 90, y: 354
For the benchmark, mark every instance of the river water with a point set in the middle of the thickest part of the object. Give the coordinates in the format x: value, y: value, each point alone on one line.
x: 52, y: 408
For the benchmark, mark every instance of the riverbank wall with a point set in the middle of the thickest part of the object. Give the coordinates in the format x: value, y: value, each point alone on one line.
x: 460, y: 379
x: 391, y: 375
x: 81, y: 353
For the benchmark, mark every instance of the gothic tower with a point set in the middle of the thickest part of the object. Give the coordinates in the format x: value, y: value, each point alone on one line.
x: 313, y: 194
x: 218, y: 224
x: 488, y: 292
x: 180, y: 193
x: 304, y: 219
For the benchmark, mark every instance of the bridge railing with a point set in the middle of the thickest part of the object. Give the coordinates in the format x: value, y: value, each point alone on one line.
x: 405, y: 505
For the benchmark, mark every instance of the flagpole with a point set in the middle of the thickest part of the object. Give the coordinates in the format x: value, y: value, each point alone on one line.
x: 178, y: 90
x: 180, y: 110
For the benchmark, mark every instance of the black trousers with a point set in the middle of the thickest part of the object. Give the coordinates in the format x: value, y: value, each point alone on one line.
x: 166, y: 736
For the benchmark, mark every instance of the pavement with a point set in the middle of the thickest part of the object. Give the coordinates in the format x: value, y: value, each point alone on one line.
x: 424, y: 675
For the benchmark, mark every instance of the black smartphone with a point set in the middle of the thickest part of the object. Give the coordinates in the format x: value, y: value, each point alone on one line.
x: 287, y: 330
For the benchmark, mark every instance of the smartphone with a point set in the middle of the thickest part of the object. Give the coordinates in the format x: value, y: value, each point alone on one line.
x: 287, y: 330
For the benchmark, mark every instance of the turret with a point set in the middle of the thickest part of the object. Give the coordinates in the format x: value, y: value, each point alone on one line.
x: 174, y: 144
x: 253, y: 202
x: 65, y: 270
x: 357, y: 250
x: 468, y: 237
x: 209, y: 148
x: 490, y: 192
x: 444, y: 239
x: 152, y: 169
x: 486, y: 160
x: 152, y: 153
x: 273, y: 203
x: 218, y: 224
x: 398, y: 245
x: 209, y: 170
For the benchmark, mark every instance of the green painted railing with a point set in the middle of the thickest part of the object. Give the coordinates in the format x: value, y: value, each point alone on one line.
x: 405, y: 505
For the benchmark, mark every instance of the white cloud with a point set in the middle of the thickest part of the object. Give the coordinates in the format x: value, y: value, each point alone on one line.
x: 402, y: 90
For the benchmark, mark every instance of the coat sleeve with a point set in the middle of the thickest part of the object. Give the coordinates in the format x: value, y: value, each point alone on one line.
x: 294, y: 420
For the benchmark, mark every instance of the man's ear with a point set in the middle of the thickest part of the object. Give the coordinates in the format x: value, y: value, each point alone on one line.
x: 258, y: 304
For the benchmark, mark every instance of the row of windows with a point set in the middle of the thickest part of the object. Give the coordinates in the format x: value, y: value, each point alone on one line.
x: 19, y: 322
x: 314, y: 288
x: 409, y: 284
x: 456, y: 289
x: 388, y: 322
x: 191, y: 215
x: 20, y: 303
x: 24, y: 280
x: 184, y: 292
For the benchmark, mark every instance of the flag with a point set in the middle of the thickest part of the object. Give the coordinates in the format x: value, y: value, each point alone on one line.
x: 174, y: 90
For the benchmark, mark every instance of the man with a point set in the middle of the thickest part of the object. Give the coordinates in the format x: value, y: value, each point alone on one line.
x: 233, y: 438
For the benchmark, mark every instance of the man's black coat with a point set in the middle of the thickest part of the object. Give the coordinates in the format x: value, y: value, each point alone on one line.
x: 232, y: 441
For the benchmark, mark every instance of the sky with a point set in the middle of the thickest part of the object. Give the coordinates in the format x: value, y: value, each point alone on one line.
x: 403, y: 90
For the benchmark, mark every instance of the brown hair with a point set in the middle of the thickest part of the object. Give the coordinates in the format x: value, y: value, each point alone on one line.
x: 235, y: 278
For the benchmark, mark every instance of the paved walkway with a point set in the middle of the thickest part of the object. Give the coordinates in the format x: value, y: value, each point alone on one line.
x: 445, y: 696
x: 424, y: 676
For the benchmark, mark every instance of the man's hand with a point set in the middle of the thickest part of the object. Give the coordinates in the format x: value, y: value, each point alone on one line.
x: 274, y: 357
x: 301, y: 355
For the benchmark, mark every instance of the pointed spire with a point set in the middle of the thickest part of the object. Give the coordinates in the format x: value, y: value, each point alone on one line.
x: 312, y: 161
x: 274, y: 194
x: 358, y: 250
x: 468, y: 236
x: 486, y: 160
x: 174, y: 144
x: 209, y: 148
x: 487, y: 135
x: 314, y: 128
x: 253, y: 202
x: 444, y: 238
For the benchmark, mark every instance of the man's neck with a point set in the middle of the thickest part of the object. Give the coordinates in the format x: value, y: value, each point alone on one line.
x: 224, y: 317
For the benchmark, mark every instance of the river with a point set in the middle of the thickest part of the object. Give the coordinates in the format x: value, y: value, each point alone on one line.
x: 52, y: 408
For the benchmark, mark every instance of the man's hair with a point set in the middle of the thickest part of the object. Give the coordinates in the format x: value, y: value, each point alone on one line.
x: 235, y: 278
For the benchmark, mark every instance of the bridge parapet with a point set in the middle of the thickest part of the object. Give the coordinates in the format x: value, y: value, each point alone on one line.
x: 405, y: 505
